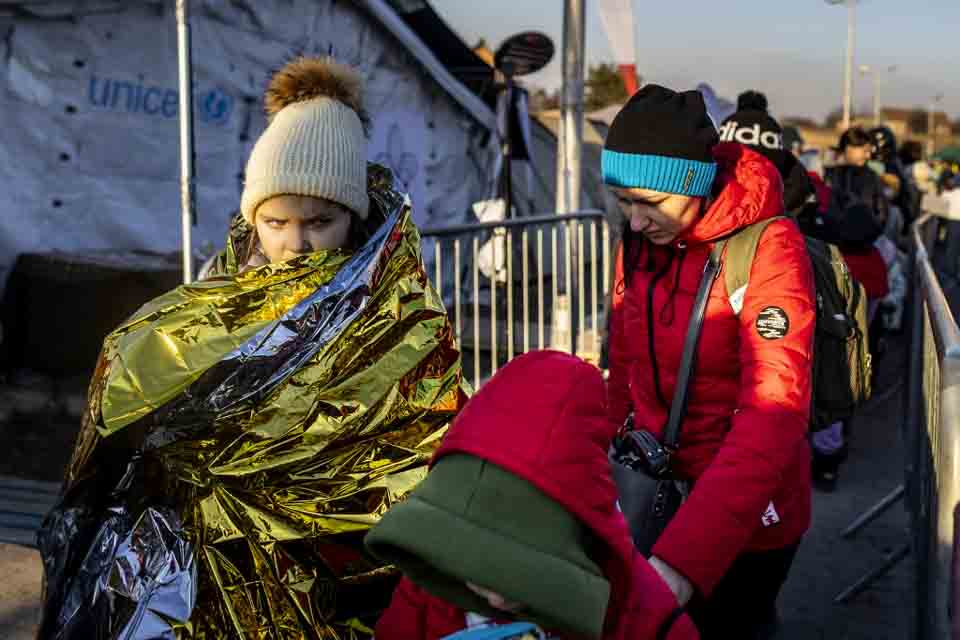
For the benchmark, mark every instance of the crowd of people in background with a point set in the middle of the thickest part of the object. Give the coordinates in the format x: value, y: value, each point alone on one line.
x: 860, y: 195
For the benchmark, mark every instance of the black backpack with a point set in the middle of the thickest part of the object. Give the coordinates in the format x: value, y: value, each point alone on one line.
x: 842, y: 364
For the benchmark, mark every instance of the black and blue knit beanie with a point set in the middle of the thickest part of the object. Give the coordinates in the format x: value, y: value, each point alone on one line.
x: 661, y: 140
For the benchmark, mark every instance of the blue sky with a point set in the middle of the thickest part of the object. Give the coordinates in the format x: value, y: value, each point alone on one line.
x: 793, y: 50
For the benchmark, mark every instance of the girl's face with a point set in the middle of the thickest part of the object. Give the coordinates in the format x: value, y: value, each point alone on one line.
x: 289, y: 226
x: 857, y: 156
x: 660, y: 216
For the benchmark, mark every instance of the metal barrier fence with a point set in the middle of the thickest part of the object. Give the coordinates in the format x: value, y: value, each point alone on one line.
x: 521, y: 284
x: 932, y: 438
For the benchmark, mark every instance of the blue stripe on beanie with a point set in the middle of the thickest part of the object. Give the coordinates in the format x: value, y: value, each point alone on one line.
x: 658, y: 173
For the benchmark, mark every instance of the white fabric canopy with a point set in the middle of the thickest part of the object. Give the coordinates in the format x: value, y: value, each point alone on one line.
x: 90, y: 153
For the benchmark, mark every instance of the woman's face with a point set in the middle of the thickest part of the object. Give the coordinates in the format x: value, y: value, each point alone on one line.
x: 660, y: 216
x: 290, y: 226
x: 857, y: 156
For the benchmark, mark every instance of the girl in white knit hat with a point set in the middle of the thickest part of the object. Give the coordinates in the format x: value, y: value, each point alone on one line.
x: 306, y: 179
x: 244, y: 432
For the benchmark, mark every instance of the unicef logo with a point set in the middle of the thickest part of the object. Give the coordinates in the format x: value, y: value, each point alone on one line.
x: 215, y: 107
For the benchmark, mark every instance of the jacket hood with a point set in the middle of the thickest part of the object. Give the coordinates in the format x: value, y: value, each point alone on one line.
x: 542, y: 419
x: 748, y: 189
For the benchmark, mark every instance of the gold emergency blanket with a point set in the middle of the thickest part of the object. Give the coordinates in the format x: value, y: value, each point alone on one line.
x: 242, y: 435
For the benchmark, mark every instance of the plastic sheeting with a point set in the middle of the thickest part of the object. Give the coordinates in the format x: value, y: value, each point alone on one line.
x: 136, y: 581
x: 90, y: 155
x: 241, y: 435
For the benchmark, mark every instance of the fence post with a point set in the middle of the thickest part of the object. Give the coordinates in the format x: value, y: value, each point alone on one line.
x: 936, y: 445
x: 913, y: 432
x: 947, y: 480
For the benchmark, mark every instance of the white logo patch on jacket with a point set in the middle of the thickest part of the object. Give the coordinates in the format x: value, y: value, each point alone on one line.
x: 770, y: 517
x: 736, y: 299
x: 773, y: 323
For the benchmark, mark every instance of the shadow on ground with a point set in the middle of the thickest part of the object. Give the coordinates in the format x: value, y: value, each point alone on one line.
x: 826, y: 563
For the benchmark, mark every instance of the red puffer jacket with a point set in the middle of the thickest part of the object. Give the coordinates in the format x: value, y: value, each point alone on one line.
x: 743, y: 442
x: 552, y: 431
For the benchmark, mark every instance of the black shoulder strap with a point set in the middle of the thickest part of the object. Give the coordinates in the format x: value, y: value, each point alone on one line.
x: 678, y: 410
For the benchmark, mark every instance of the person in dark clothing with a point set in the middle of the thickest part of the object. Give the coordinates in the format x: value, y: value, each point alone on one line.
x: 910, y: 151
x: 793, y: 140
x: 853, y: 180
x: 907, y: 197
x: 855, y: 147
x: 853, y: 221
x: 753, y: 126
x: 945, y: 182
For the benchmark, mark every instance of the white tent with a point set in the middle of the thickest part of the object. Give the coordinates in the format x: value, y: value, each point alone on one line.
x: 88, y: 90
x: 718, y: 107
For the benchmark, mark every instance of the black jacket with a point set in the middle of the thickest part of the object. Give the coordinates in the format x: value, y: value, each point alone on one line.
x: 858, y: 184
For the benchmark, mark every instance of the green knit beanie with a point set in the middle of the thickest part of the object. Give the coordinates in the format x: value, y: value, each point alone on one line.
x: 472, y: 521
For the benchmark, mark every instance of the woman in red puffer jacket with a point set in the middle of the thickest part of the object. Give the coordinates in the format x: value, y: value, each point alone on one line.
x: 743, y: 443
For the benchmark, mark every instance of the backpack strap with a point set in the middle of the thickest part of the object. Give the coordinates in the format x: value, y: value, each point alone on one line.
x: 678, y: 409
x: 741, y: 249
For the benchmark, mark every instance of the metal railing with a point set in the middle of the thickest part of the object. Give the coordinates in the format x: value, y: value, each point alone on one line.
x: 526, y: 283
x: 932, y: 439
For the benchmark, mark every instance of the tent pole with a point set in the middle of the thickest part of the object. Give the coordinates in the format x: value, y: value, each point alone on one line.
x: 571, y: 108
x: 570, y: 143
x: 187, y: 169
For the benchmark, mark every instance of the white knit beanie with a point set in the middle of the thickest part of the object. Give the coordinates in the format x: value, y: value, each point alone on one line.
x: 315, y: 143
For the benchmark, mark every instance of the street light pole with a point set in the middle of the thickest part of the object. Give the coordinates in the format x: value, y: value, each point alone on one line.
x: 875, y: 76
x: 890, y: 70
x: 932, y: 125
x: 848, y: 68
x: 848, y: 88
x: 866, y: 69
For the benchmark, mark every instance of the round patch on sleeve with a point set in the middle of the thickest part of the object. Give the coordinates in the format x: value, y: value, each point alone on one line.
x: 773, y: 323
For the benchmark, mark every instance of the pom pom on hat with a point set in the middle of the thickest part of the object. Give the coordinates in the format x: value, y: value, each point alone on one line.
x: 754, y: 127
x: 752, y: 101
x: 305, y: 79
